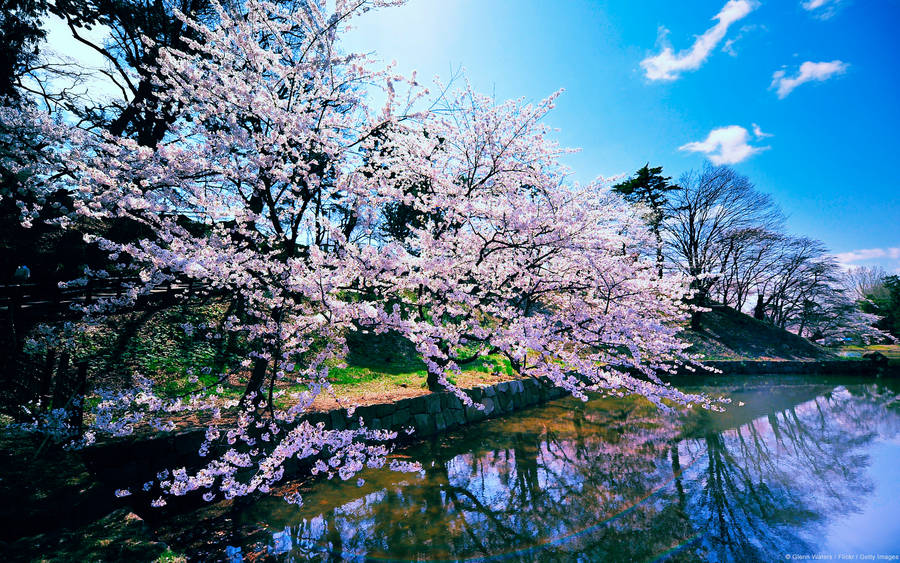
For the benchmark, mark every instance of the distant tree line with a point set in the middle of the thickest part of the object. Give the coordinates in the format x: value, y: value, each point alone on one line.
x: 877, y: 293
x: 729, y: 238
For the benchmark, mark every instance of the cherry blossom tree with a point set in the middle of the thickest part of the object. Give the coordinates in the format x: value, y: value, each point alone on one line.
x: 549, y: 275
x: 274, y: 187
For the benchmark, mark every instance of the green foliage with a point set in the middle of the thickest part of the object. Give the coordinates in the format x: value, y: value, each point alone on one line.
x: 169, y: 556
x: 648, y: 187
x: 886, y: 304
x: 20, y: 35
x: 401, y: 218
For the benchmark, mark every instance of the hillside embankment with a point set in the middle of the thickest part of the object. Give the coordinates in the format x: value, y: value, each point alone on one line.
x: 727, y: 334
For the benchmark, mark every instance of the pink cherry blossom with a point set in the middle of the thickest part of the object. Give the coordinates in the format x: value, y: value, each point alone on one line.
x: 279, y: 154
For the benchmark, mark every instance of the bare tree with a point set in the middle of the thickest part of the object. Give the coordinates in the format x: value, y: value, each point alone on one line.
x: 864, y: 282
x: 704, y: 220
x: 805, y: 291
x: 801, y: 268
x: 728, y: 238
x: 747, y: 259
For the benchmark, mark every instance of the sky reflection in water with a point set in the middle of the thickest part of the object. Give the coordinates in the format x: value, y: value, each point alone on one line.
x: 804, y: 467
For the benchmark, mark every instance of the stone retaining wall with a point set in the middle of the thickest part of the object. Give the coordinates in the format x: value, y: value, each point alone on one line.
x: 436, y: 412
x: 126, y: 461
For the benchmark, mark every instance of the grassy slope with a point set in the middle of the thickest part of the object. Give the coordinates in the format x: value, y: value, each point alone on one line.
x: 728, y: 334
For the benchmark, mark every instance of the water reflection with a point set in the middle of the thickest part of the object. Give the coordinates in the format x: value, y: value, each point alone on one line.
x: 608, y: 480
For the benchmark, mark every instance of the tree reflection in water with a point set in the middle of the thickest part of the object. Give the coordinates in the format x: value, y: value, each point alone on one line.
x: 613, y: 479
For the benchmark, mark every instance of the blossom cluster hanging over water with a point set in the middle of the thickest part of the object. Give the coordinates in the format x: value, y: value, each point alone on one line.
x: 445, y: 218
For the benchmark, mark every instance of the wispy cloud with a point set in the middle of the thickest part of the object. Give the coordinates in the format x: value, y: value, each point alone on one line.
x: 809, y: 72
x: 728, y: 46
x: 725, y: 145
x: 668, y: 65
x: 758, y: 133
x: 865, y: 254
x: 822, y: 9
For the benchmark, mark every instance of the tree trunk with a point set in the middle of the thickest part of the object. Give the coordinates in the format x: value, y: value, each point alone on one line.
x: 79, y: 387
x: 432, y: 382
x: 44, y: 396
x: 255, y: 385
x: 676, y: 473
x: 695, y: 321
x: 698, y: 300
x: 61, y: 385
x: 659, y: 252
x: 759, y: 311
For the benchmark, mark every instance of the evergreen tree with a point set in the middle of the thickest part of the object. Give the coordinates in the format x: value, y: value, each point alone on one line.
x: 649, y: 187
x: 20, y: 34
x: 885, y: 304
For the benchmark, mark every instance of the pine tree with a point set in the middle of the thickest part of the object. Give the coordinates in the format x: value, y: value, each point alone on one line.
x: 649, y: 187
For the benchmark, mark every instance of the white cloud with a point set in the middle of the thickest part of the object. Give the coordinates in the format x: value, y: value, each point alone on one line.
x: 668, y: 65
x: 758, y: 133
x: 822, y: 9
x: 864, y: 254
x: 745, y: 30
x: 728, y: 47
x: 725, y: 145
x: 809, y: 71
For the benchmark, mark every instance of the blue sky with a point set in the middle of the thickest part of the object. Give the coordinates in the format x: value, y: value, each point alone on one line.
x: 829, y: 149
x: 831, y: 159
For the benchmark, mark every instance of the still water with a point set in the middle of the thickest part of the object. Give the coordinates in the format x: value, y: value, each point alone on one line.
x: 806, y: 467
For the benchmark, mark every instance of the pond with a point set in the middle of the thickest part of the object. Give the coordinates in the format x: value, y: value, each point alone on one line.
x: 804, y: 467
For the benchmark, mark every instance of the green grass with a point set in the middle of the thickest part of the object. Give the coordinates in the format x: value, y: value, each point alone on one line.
x: 407, y: 371
x: 376, y: 368
x: 728, y: 334
x: 169, y: 556
x: 892, y: 351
